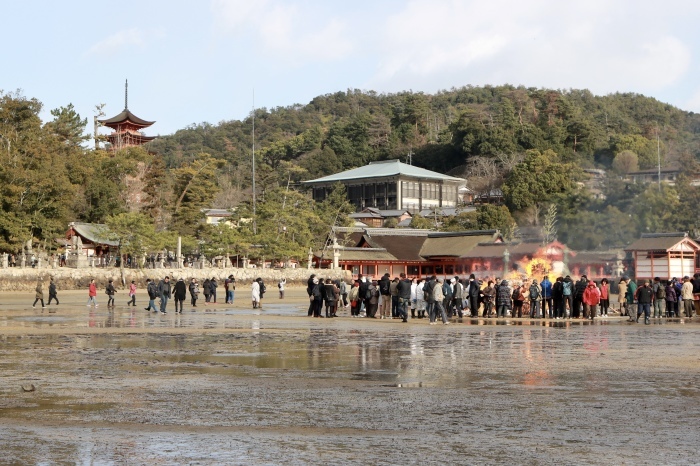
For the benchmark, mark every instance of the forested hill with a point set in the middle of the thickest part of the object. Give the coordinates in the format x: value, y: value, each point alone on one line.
x: 443, y: 131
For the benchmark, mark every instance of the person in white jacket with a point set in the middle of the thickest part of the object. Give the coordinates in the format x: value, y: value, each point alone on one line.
x: 438, y: 296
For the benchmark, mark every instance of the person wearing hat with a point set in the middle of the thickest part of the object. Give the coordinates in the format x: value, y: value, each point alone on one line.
x: 230, y: 287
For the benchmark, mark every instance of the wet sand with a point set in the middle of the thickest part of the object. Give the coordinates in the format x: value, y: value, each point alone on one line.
x: 229, y: 385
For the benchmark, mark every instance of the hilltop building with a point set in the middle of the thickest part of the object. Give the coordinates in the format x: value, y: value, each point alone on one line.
x: 126, y: 127
x: 392, y: 185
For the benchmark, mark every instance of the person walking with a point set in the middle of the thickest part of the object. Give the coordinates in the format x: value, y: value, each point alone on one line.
x: 110, y: 290
x: 438, y: 297
x: 39, y: 293
x: 180, y: 293
x: 255, y: 293
x: 132, y: 293
x: 152, y: 291
x: 263, y: 289
x: 591, y: 299
x: 194, y: 292
x: 92, y: 293
x: 206, y: 289
x: 52, y: 292
x: 213, y: 285
x: 644, y: 296
x: 280, y: 286
x: 165, y: 293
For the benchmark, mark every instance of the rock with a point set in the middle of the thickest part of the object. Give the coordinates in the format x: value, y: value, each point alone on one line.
x: 28, y: 388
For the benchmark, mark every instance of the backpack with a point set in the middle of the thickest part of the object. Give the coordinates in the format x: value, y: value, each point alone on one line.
x: 566, y: 288
x: 446, y: 290
x: 368, y: 293
x: 661, y: 292
x: 384, y: 287
x: 427, y: 291
x: 107, y: 290
x: 534, y: 292
x: 516, y: 294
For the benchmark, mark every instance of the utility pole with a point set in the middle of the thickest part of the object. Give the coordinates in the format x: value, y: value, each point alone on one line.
x: 255, y: 224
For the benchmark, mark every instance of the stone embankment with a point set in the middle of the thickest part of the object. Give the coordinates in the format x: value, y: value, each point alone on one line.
x: 25, y: 279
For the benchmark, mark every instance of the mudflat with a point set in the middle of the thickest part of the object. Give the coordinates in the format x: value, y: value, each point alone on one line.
x: 226, y: 384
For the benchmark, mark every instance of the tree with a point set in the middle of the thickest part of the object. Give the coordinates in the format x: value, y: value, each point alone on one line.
x: 538, y: 178
x: 68, y: 126
x: 195, y: 189
x: 135, y: 234
x: 493, y: 217
x: 423, y: 223
x: 625, y: 162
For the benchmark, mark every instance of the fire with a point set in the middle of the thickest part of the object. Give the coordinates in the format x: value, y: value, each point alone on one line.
x: 539, y: 268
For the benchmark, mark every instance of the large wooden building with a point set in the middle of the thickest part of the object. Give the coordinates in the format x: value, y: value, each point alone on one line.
x: 392, y: 185
x: 664, y: 255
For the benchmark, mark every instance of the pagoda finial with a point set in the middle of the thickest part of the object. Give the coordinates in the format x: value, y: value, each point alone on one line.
x: 126, y: 94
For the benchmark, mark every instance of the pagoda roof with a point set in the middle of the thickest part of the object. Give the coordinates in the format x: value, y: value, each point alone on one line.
x: 125, y: 116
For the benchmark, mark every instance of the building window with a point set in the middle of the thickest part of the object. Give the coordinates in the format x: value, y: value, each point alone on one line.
x: 413, y: 270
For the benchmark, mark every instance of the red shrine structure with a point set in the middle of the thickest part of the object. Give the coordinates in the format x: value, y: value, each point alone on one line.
x: 126, y: 127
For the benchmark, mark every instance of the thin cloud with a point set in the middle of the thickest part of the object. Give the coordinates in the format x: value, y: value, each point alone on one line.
x: 124, y: 39
x: 286, y: 31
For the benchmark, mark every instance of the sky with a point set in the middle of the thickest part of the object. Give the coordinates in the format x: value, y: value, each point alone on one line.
x: 190, y: 62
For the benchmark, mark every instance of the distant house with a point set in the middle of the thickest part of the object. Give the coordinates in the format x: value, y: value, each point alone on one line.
x: 373, y: 217
x: 664, y: 255
x: 392, y: 185
x: 216, y: 216
x: 668, y: 175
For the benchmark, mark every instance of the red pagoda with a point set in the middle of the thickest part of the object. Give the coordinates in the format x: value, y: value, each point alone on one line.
x: 127, y: 127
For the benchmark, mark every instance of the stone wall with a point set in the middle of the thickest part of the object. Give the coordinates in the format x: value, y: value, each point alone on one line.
x: 24, y: 279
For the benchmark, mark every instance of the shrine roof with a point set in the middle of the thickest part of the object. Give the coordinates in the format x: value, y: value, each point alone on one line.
x: 124, y: 116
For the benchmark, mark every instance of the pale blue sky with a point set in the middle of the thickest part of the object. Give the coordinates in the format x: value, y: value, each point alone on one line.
x: 195, y: 61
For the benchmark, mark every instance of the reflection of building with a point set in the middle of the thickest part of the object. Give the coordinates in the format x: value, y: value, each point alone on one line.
x: 126, y: 128
x: 392, y: 185
x: 665, y: 255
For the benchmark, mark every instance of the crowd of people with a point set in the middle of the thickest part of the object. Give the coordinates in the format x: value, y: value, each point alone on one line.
x: 442, y: 298
x: 436, y: 298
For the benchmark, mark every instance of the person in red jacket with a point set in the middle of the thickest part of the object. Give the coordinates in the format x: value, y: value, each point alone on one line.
x: 591, y: 298
x: 92, y: 293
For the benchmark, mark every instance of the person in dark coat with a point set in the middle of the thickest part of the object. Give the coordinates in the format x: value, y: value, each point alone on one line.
x: 579, y: 289
x: 212, y: 289
x: 52, y: 292
x: 180, y: 293
x: 194, y: 291
x: 206, y: 289
x: 309, y: 291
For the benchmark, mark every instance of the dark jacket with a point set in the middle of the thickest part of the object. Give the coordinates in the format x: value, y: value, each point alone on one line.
x: 385, y: 285
x: 581, y: 286
x: 110, y: 290
x: 164, y: 289
x: 180, y: 291
x: 364, y: 286
x: 558, y: 291
x: 645, y: 295
x: 474, y: 289
x: 503, y: 294
x: 193, y: 289
x: 52, y: 289
x: 206, y: 287
x: 152, y: 290
x: 404, y: 289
